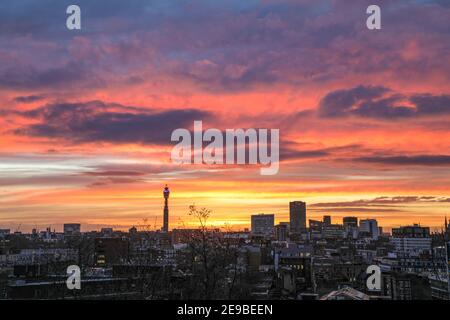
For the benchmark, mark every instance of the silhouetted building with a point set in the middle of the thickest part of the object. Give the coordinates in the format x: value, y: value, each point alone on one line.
x: 350, y: 222
x: 414, y: 231
x: 132, y: 230
x: 411, y: 240
x: 106, y: 232
x: 369, y: 226
x: 263, y: 225
x: 333, y: 231
x: 71, y: 229
x: 439, y: 287
x: 315, y: 225
x: 315, y: 229
x: 293, y: 267
x: 404, y: 286
x: 297, y: 215
x: 351, y: 226
x: 327, y: 220
x: 446, y: 230
x: 4, y: 232
x: 282, y: 231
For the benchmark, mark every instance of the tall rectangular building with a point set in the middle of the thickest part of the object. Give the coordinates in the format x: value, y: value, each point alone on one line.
x: 350, y: 222
x: 297, y: 216
x: 327, y: 220
x: 351, y: 227
x: 282, y: 231
x: 369, y: 226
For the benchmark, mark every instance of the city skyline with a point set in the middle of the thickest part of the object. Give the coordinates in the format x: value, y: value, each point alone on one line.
x: 86, y: 115
x: 298, y: 219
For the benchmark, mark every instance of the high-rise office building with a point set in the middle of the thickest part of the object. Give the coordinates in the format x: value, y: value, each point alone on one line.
x: 297, y: 215
x: 369, y: 226
x: 350, y: 222
x: 411, y: 240
x: 414, y: 231
x: 263, y: 225
x: 326, y: 220
x: 350, y: 226
x: 333, y: 231
x: 282, y: 231
x: 166, y: 194
x: 315, y: 225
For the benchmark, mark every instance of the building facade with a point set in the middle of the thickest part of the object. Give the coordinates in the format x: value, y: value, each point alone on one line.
x: 297, y: 215
x: 263, y: 225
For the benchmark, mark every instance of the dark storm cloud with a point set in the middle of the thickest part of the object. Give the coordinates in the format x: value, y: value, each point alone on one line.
x: 380, y: 202
x: 113, y: 181
x: 221, y: 45
x: 292, y: 151
x: 429, y: 104
x: 28, y: 99
x: 114, y: 173
x: 381, y: 103
x: 53, y: 77
x: 47, y: 17
x: 420, y: 160
x: 288, y: 154
x: 96, y: 121
x: 341, y: 102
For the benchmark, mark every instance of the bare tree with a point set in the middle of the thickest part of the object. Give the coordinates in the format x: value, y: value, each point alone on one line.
x: 202, y: 215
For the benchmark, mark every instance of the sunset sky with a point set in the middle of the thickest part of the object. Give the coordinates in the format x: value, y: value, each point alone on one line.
x: 87, y: 115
